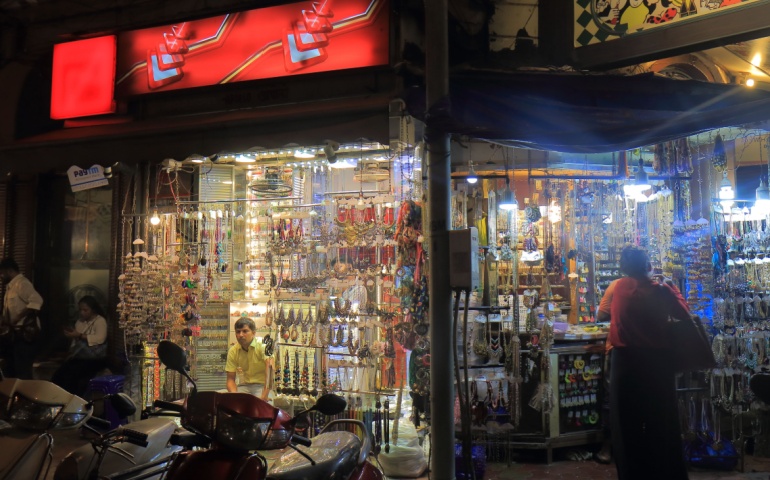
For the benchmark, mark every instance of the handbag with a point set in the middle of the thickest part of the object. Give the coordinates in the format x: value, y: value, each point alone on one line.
x: 691, y: 348
x: 82, y: 350
x: 29, y: 329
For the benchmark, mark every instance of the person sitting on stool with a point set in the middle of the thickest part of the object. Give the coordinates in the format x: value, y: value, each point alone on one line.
x: 249, y: 360
x: 88, y: 348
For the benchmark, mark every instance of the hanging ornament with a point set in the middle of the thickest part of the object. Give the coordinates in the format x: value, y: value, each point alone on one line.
x: 719, y: 158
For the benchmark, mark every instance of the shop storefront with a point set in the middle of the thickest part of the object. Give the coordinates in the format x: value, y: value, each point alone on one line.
x: 300, y: 205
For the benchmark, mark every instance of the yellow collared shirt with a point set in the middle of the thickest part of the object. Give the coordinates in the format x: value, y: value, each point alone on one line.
x: 250, y: 365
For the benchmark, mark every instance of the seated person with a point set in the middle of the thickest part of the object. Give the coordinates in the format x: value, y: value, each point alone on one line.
x: 88, y: 348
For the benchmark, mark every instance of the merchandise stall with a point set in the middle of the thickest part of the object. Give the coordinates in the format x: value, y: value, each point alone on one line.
x: 321, y: 246
x: 549, y: 247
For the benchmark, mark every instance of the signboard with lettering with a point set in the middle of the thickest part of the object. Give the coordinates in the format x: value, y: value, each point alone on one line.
x: 86, y: 178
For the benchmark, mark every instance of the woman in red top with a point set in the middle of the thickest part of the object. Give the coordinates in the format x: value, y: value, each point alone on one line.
x: 646, y: 438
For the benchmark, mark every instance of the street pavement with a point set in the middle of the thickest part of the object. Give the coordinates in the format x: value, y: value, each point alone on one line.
x: 523, y: 466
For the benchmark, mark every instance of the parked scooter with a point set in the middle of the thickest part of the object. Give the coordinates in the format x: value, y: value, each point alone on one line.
x: 139, y: 449
x: 30, y: 409
x: 240, y: 424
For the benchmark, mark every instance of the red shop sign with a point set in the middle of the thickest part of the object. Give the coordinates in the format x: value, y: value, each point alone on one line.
x: 292, y: 39
x: 298, y: 38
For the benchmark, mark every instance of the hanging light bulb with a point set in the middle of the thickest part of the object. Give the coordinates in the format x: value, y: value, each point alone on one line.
x: 726, y: 193
x: 640, y: 184
x: 155, y: 219
x: 508, y: 199
x: 471, y: 178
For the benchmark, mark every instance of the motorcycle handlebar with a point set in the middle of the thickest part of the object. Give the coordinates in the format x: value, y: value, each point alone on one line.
x: 100, y: 423
x: 304, y: 441
x: 174, y: 407
x: 132, y: 436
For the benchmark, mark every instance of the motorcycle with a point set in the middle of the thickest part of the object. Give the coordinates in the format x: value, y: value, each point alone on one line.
x: 240, y: 425
x: 140, y: 449
x: 32, y: 408
x: 29, y: 410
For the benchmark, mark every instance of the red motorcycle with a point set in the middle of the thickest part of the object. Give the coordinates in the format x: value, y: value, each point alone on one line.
x: 238, y: 425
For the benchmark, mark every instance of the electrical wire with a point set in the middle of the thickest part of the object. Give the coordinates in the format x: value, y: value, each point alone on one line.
x: 462, y: 386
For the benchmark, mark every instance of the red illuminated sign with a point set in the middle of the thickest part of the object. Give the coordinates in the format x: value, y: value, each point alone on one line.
x: 298, y: 38
x: 83, y: 81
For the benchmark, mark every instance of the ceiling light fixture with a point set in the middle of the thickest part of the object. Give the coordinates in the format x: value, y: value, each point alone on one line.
x: 303, y: 153
x: 640, y: 184
x: 471, y: 178
x: 726, y: 193
x: 244, y: 159
x: 155, y: 219
x: 508, y: 198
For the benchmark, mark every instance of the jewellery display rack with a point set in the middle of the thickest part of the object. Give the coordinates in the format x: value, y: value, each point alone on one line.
x: 580, y: 380
x: 607, y: 268
x: 540, y: 430
x: 582, y: 294
x: 210, y: 347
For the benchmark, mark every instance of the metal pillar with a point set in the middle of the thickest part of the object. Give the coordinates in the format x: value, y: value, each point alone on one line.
x: 439, y: 217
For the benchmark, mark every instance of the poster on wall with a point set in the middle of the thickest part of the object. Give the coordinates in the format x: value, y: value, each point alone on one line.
x: 599, y: 21
x: 298, y: 38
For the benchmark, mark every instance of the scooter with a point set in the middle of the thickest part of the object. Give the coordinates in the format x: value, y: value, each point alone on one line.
x: 140, y: 449
x: 29, y: 410
x: 239, y: 425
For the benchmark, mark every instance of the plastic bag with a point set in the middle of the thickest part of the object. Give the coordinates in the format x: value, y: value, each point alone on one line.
x: 406, y: 458
x: 403, y: 462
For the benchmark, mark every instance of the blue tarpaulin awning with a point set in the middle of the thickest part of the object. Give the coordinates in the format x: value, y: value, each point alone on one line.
x: 587, y: 113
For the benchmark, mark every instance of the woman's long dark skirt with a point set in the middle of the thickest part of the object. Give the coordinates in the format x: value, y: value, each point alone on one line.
x: 646, y: 436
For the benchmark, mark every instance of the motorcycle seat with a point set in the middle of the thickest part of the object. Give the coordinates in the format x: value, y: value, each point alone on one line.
x: 335, y: 453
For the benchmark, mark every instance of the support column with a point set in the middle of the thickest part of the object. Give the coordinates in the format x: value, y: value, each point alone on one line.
x: 439, y: 216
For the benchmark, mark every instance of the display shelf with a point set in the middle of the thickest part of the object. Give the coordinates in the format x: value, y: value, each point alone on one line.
x: 211, y: 346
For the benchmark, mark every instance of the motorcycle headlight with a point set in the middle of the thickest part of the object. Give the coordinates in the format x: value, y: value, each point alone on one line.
x: 31, y: 415
x: 237, y: 431
x: 70, y: 420
x: 276, y: 439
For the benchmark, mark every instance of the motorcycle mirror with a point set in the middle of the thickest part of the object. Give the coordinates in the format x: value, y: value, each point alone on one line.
x: 330, y: 404
x: 759, y: 383
x: 172, y: 356
x: 123, y: 405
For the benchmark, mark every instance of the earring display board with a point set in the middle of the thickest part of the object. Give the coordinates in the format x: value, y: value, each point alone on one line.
x: 210, y: 346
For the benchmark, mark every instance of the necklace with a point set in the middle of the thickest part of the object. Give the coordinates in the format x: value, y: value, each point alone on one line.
x: 286, y: 373
x: 277, y: 381
x: 493, y: 346
x: 303, y: 381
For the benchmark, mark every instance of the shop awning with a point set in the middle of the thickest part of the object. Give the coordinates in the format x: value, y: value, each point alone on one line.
x: 580, y: 113
x: 341, y: 120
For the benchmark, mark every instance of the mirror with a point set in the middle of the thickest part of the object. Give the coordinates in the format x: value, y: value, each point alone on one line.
x: 123, y: 405
x: 330, y: 404
x: 760, y: 385
x: 173, y: 356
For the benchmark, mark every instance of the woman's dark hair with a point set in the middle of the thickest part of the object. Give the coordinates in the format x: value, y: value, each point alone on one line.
x: 634, y: 261
x: 93, y: 304
x: 245, y: 322
x: 9, y: 264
